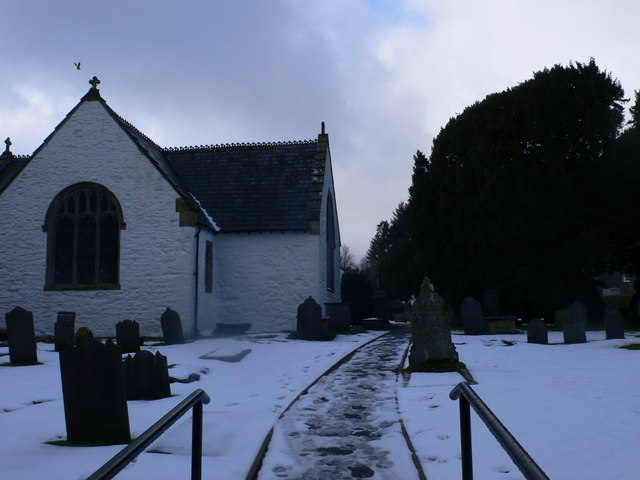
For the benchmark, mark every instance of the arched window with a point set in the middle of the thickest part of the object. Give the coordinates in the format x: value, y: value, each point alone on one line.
x: 83, y: 226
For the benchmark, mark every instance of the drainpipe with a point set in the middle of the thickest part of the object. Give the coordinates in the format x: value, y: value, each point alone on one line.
x: 195, y: 274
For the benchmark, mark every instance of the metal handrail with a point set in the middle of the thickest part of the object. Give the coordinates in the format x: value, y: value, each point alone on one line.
x: 518, y: 454
x: 121, y: 459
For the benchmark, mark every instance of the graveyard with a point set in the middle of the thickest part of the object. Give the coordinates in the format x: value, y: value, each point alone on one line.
x: 572, y: 406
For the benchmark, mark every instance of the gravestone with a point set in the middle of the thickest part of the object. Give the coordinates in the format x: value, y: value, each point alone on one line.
x: 577, y: 313
x: 574, y: 328
x: 490, y: 303
x: 613, y: 323
x: 63, y: 330
x: 472, y: 319
x: 128, y: 336
x: 380, y: 309
x: 146, y: 376
x: 309, y: 320
x: 339, y: 314
x: 430, y: 329
x: 171, y: 327
x: 574, y: 332
x: 95, y: 402
x: 537, y: 332
x: 21, y: 337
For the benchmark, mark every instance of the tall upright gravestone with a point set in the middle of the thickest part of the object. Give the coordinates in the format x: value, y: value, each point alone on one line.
x: 613, y: 323
x: 128, y: 336
x: 64, y: 330
x: 21, y: 337
x: 171, y: 327
x: 574, y: 328
x: 95, y: 401
x: 309, y: 320
x: 472, y: 318
x: 430, y: 330
x: 537, y: 332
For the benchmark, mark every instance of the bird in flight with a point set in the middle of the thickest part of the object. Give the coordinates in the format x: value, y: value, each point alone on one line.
x: 77, y: 65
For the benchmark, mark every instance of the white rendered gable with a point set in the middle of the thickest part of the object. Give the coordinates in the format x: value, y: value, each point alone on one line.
x: 156, y: 255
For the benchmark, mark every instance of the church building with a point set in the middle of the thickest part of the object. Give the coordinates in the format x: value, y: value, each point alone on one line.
x: 102, y: 221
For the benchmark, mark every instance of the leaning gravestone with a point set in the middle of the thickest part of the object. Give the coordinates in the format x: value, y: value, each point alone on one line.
x: 537, y: 332
x: 472, y: 319
x: 128, y: 336
x: 613, y: 324
x: 430, y: 329
x: 146, y: 376
x: 171, y: 327
x: 21, y: 337
x: 95, y: 401
x: 309, y: 320
x: 64, y: 329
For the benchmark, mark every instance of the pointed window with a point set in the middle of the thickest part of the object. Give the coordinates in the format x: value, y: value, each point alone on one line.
x: 83, y: 226
x: 331, y: 245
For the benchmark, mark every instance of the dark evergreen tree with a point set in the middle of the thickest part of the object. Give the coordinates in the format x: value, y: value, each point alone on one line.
x: 393, y: 257
x: 512, y: 196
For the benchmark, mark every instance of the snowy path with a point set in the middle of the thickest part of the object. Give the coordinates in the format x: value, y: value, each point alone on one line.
x: 347, y: 425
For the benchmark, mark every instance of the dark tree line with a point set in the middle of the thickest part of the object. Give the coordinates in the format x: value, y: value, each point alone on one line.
x: 532, y: 191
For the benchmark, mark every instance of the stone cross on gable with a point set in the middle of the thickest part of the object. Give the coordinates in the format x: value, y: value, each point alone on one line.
x: 95, y: 81
x: 7, y: 142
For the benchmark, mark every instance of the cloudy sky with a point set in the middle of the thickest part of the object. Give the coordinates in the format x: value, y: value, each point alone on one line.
x: 385, y: 75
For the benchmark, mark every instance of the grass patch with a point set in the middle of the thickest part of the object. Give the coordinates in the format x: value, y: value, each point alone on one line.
x: 106, y: 443
x: 443, y: 365
x: 9, y: 364
x: 631, y: 346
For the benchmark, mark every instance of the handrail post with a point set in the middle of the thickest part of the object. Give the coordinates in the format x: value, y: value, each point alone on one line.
x: 465, y: 439
x: 196, y: 442
x: 468, y: 398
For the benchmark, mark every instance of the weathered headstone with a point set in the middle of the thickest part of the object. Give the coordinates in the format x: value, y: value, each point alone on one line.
x: 574, y: 328
x: 146, y: 376
x: 64, y: 330
x: 171, y: 327
x: 537, y: 331
x: 577, y: 313
x: 472, y: 319
x: 128, y: 336
x: 613, y: 323
x: 95, y: 402
x: 21, y: 337
x: 490, y: 303
x: 309, y: 320
x: 430, y: 329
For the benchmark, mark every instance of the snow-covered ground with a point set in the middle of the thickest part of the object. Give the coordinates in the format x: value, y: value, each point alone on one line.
x: 575, y: 408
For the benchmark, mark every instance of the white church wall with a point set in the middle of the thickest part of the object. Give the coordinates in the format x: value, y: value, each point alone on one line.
x: 156, y: 255
x: 261, y: 278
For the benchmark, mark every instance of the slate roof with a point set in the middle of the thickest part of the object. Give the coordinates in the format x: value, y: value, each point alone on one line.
x: 259, y: 187
x: 254, y: 187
